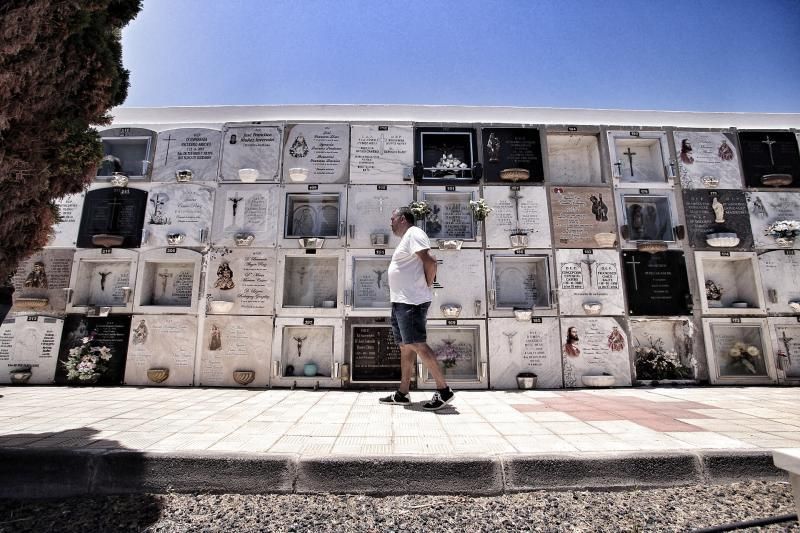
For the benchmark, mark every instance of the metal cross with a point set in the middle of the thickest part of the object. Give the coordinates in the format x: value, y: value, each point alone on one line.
x: 169, y: 138
x: 633, y: 262
x: 618, y: 164
x: 103, y: 276
x: 380, y: 202
x: 235, y: 200
x: 379, y: 273
x: 769, y: 142
x: 299, y: 341
x: 515, y: 196
x: 630, y: 158
x: 589, y: 262
x: 786, y: 340
x: 509, y: 336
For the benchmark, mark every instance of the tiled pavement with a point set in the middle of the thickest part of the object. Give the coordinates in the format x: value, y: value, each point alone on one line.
x: 349, y: 423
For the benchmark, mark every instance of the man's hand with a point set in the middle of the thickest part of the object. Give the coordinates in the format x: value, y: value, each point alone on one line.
x: 429, y: 265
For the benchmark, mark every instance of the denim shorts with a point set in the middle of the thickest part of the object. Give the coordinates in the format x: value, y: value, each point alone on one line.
x: 408, y: 322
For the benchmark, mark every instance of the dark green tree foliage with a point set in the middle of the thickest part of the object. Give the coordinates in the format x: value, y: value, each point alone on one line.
x: 60, y: 72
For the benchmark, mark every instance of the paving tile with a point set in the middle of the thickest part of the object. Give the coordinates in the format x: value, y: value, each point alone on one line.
x: 709, y: 440
x: 423, y: 446
x: 621, y: 427
x: 665, y: 424
x: 541, y: 444
x: 303, y: 445
x: 570, y: 428
x: 598, y: 443
x: 551, y: 417
x: 315, y: 430
x: 524, y: 428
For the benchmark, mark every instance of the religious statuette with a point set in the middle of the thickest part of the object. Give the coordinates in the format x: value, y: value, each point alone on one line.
x: 140, y: 333
x: 494, y: 148
x: 224, y: 277
x: 216, y: 338
x: 719, y: 211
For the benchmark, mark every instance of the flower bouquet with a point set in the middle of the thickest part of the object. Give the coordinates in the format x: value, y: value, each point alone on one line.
x: 86, y: 363
x: 653, y: 362
x: 744, y: 358
x: 479, y: 209
x: 448, y: 354
x: 421, y: 210
x: 784, y: 232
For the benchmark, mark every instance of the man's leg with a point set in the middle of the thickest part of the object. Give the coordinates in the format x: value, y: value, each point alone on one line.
x: 408, y: 359
x: 429, y: 360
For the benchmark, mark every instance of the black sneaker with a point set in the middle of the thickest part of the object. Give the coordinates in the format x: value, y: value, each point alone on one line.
x: 396, y: 398
x: 440, y: 399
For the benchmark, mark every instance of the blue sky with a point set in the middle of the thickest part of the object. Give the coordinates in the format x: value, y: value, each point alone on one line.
x: 683, y: 55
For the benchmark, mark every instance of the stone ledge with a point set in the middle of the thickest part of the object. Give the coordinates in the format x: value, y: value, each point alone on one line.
x: 736, y: 466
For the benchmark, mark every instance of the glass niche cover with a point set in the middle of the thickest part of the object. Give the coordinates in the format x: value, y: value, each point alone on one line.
x: 307, y: 352
x: 311, y: 281
x: 451, y: 216
x: 312, y: 215
x: 520, y: 282
x: 126, y: 150
x: 739, y: 352
x: 456, y: 351
x: 648, y: 218
x: 446, y: 154
x: 371, y: 283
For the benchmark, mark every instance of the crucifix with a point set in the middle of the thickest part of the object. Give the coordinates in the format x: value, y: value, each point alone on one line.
x: 379, y: 273
x: 164, y: 277
x: 380, y: 202
x: 630, y: 158
x: 114, y: 204
x: 103, y: 276
x: 633, y: 262
x: 588, y: 261
x: 381, y: 144
x: 169, y: 138
x: 515, y: 196
x: 235, y: 200
x: 299, y: 341
x: 509, y: 337
x: 769, y: 142
x: 618, y: 164
x: 786, y: 340
x: 301, y: 273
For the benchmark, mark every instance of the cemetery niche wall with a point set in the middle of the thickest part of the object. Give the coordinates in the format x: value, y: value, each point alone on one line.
x: 255, y: 254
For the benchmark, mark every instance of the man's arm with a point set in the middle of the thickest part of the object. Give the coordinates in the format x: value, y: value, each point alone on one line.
x: 428, y: 265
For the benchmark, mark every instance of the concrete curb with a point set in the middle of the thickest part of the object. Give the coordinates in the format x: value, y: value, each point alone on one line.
x: 54, y: 473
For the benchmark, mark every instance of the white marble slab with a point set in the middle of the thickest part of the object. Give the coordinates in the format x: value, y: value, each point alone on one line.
x: 251, y: 146
x: 235, y: 344
x: 520, y: 281
x: 368, y: 212
x: 65, y: 233
x: 780, y: 280
x: 161, y: 342
x: 584, y: 280
x: 167, y: 281
x: 523, y: 210
x: 178, y: 209
x: 460, y: 280
x: 737, y: 276
x: 243, y: 276
x: 99, y: 278
x: 451, y: 216
x: 302, y: 341
x: 785, y: 337
x: 33, y: 342
x: 522, y: 346
x: 460, y: 352
x: 574, y: 159
x: 768, y: 207
x: 738, y: 351
x: 256, y: 213
x: 663, y: 350
x: 601, y: 348
x: 195, y: 149
x: 322, y: 149
x: 707, y: 154
x: 640, y: 157
x: 40, y: 281
x: 381, y: 153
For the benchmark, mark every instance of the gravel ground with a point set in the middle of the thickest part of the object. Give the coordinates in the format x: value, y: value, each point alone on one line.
x: 673, y: 509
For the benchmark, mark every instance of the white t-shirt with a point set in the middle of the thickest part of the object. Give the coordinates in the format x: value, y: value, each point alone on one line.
x: 407, y: 283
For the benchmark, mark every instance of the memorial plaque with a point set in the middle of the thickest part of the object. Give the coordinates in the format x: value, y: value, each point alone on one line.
x: 701, y: 219
x: 729, y: 283
x: 368, y: 213
x: 707, y: 160
x: 307, y: 355
x: 381, y: 154
x: 313, y: 215
x: 245, y: 277
x: 767, y: 208
x: 640, y: 158
x: 161, y: 351
x: 105, y: 332
x: 193, y: 149
x: 40, y: 281
x: 785, y: 335
x: 451, y: 216
x: 127, y: 150
x: 512, y: 148
x: 368, y: 279
x: 112, y: 217
x: 65, y: 232
x: 522, y: 346
x: 102, y: 279
x: 243, y: 210
x: 574, y: 159
x: 374, y: 354
x: 460, y: 281
x: 519, y: 282
x: 780, y: 279
x: 589, y: 283
x: 179, y: 215
x: 167, y: 281
x: 583, y: 217
x: 251, y: 152
x: 663, y: 350
x: 459, y: 354
x: 738, y: 352
x: 657, y: 284
x: 29, y: 349
x: 235, y: 352
x: 770, y: 158
x: 518, y: 211
x: 647, y: 217
x: 445, y: 154
x: 321, y: 149
x: 310, y: 282
x: 594, y: 347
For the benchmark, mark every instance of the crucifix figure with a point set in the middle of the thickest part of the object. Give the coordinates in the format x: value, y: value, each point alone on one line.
x: 630, y: 158
x: 164, y: 277
x: 301, y: 273
x: 786, y: 340
x: 769, y: 142
x: 588, y: 261
x: 633, y: 262
x: 618, y: 164
x: 103, y: 276
x: 515, y: 196
x: 379, y: 273
x: 169, y: 138
x: 299, y: 341
x: 235, y: 200
x: 509, y: 337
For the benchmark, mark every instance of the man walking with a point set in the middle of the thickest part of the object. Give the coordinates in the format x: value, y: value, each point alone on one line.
x: 411, y: 275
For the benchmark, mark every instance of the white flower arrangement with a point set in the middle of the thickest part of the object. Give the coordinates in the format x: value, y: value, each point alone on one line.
x: 421, y: 210
x: 86, y: 363
x: 783, y: 229
x: 480, y: 209
x: 448, y: 161
x: 744, y: 356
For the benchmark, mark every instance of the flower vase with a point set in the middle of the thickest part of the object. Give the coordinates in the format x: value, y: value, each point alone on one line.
x: 784, y: 242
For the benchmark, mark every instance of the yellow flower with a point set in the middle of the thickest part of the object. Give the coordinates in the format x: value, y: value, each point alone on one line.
x: 735, y: 352
x: 753, y: 351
